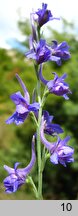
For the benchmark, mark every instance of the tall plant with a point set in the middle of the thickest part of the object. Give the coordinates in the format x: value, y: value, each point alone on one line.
x: 58, y: 151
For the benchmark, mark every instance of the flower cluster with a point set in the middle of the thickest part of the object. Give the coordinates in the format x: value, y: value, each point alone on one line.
x: 42, y: 52
x: 58, y: 151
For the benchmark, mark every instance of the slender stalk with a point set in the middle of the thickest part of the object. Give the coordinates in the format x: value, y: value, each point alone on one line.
x: 38, y: 128
x: 43, y: 159
x: 38, y: 30
x: 39, y: 147
x: 29, y: 180
x: 34, y: 118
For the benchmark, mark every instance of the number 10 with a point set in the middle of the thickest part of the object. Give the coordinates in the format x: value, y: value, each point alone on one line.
x: 67, y: 206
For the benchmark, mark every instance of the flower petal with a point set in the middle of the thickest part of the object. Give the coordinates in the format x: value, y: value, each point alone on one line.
x: 9, y: 169
x: 17, y: 118
x: 68, y: 150
x: 34, y: 107
x: 16, y: 165
x: 54, y: 158
x: 26, y: 93
x: 21, y: 109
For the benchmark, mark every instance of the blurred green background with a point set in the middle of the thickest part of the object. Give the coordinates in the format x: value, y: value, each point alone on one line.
x: 15, y: 141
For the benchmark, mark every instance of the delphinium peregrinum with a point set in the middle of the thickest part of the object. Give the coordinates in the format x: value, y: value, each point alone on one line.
x: 58, y: 151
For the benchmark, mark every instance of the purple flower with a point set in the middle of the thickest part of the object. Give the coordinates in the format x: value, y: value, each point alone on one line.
x: 59, y: 151
x: 23, y: 106
x: 17, y: 177
x: 60, y: 50
x: 41, y: 52
x: 49, y: 127
x: 43, y: 15
x: 56, y: 86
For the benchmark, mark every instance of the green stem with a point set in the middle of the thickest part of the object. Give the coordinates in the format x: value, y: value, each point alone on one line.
x: 33, y: 186
x: 38, y: 129
x: 39, y: 147
x: 43, y: 159
x: 34, y: 118
x: 38, y: 30
x: 36, y: 70
x: 45, y: 94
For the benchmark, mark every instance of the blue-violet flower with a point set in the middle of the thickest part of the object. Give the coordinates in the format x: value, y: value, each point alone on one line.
x: 60, y: 50
x: 23, y: 106
x: 51, y: 128
x: 43, y: 15
x: 59, y: 151
x: 41, y: 52
x: 17, y: 177
x: 56, y: 86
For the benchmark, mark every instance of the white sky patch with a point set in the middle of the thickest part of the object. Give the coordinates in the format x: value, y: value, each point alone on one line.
x: 10, y: 10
